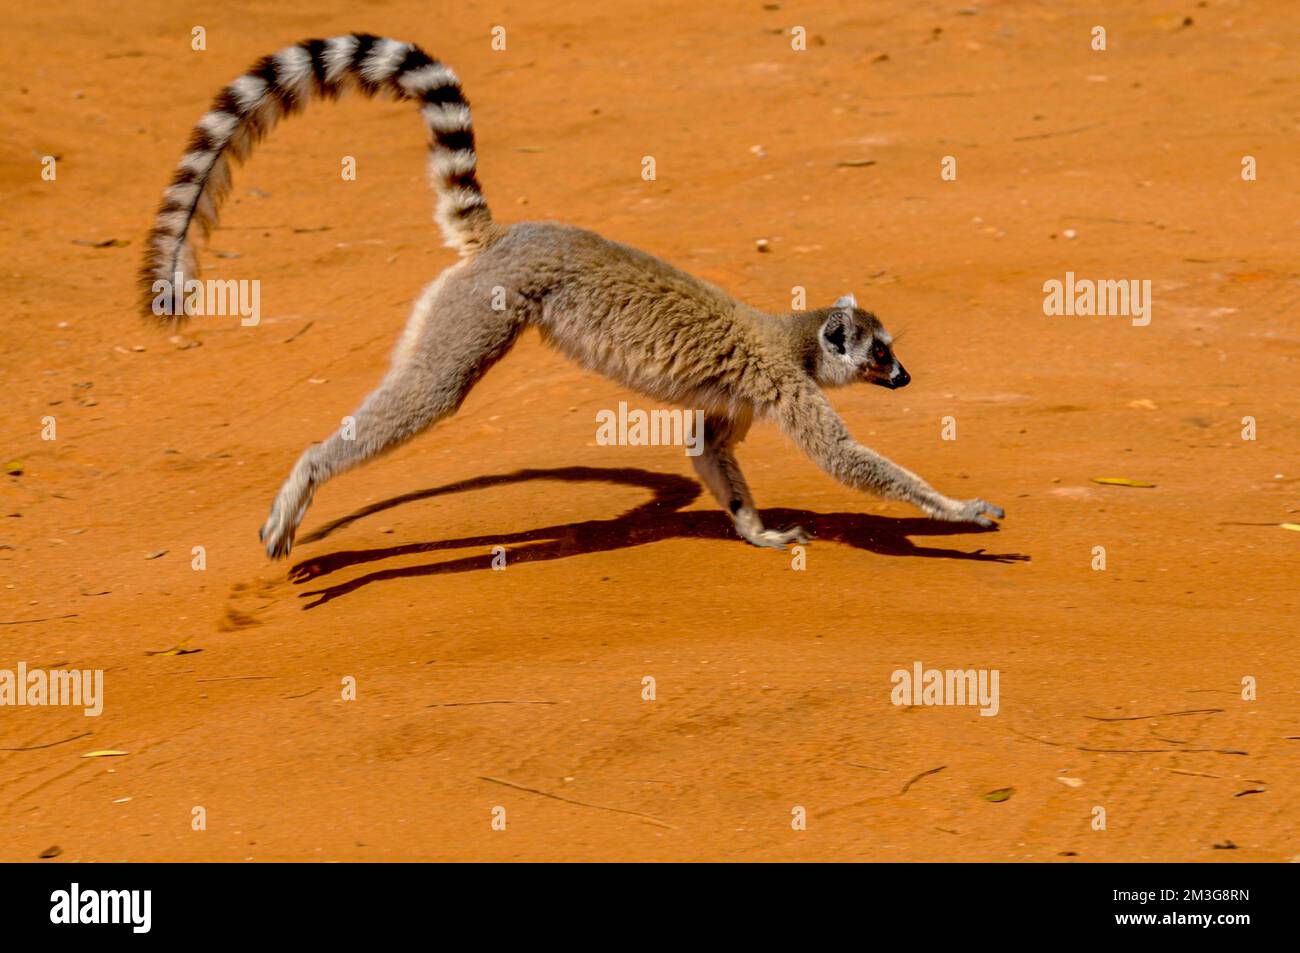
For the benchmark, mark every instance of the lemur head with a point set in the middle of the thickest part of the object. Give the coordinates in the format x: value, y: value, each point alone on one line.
x: 855, y: 347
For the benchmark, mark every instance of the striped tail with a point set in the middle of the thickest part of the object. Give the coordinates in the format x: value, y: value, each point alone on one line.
x: 280, y: 85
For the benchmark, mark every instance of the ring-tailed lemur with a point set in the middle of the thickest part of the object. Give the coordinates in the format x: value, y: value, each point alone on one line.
x: 614, y: 309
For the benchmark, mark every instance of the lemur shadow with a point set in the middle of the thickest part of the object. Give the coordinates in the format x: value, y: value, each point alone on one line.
x: 659, y: 518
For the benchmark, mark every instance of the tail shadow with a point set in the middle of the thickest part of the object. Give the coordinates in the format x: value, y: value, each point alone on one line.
x: 660, y: 518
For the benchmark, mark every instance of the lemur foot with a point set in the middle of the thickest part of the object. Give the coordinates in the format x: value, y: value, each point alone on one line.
x: 968, y: 511
x: 286, y: 513
x: 277, y: 534
x: 777, y: 538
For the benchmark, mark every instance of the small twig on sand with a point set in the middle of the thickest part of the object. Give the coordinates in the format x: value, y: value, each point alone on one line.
x: 299, y: 333
x: 1058, y: 744
x: 84, y: 734
x: 919, y: 777
x: 1041, y: 741
x: 52, y: 618
x: 499, y: 701
x: 1163, y: 714
x: 237, y: 678
x: 1052, y: 135
x: 1163, y: 750
x: 556, y: 797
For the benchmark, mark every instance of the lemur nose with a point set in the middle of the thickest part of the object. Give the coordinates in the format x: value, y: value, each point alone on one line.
x: 901, y: 379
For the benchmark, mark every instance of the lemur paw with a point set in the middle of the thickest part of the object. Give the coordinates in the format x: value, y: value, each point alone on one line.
x: 778, y: 539
x: 279, y: 529
x: 277, y: 534
x: 970, y: 511
x: 287, y: 511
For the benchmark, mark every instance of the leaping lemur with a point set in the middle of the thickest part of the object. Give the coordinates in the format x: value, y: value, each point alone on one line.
x: 614, y: 309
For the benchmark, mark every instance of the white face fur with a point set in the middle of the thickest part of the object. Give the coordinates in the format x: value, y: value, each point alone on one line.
x: 856, y: 348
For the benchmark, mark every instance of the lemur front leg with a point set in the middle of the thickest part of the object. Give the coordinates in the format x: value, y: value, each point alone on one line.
x: 809, y: 420
x: 717, y: 467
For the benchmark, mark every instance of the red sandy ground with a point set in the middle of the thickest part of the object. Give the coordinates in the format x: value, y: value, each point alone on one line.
x: 773, y: 686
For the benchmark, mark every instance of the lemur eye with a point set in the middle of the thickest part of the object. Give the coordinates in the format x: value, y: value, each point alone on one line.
x: 880, y: 353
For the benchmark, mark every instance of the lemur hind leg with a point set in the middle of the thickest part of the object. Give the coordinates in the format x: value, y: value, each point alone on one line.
x: 717, y: 467
x: 808, y: 418
x: 440, y: 357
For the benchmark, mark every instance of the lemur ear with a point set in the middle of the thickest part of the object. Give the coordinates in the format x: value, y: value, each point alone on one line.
x: 847, y: 301
x: 835, y: 332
